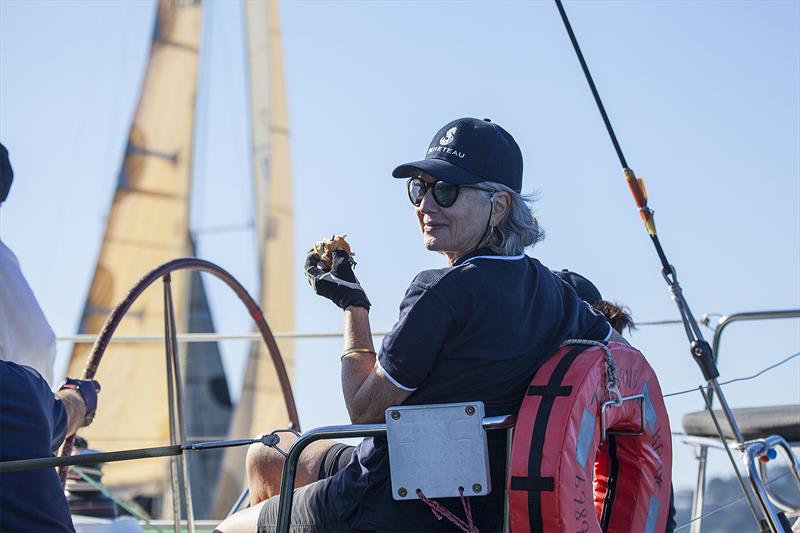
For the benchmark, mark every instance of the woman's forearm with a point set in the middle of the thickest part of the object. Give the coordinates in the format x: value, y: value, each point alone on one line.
x: 357, y: 331
x: 367, y: 391
x: 357, y: 366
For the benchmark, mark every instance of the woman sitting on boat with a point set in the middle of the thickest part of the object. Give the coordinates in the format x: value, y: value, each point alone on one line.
x: 475, y: 330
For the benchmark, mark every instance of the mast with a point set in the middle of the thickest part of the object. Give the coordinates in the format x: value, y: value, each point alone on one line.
x: 148, y: 224
x: 261, y: 407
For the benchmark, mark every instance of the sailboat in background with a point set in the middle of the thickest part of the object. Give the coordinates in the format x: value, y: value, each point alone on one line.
x: 147, y: 225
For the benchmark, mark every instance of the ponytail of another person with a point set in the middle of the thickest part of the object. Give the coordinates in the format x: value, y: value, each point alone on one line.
x: 617, y: 315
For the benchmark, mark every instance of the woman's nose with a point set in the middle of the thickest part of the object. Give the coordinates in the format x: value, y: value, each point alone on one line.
x: 428, y: 204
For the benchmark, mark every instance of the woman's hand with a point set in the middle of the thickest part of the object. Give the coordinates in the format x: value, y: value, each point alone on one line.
x: 338, y: 284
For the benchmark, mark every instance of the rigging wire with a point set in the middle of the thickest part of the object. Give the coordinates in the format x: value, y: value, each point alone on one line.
x: 70, y: 177
x: 200, y: 152
x: 592, y: 86
x: 736, y: 380
x: 681, y: 392
x: 211, y: 30
x: 761, y: 372
x: 668, y: 322
x: 235, y: 116
x: 704, y: 320
x: 224, y: 228
x: 729, y: 504
x: 250, y: 172
x: 700, y: 349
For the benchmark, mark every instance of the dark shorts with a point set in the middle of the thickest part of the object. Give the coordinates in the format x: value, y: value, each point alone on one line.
x: 313, y: 510
x: 335, y: 459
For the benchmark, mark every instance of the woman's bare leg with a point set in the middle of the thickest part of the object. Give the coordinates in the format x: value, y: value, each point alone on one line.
x: 264, y: 467
x: 245, y: 521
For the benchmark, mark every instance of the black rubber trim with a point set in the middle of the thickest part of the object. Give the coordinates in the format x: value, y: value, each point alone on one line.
x: 534, y: 483
x: 613, y: 475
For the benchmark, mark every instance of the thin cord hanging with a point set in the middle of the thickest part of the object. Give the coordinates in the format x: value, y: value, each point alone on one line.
x: 729, y: 504
x: 737, y: 380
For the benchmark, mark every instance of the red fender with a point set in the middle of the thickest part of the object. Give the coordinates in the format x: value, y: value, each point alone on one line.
x: 562, y: 477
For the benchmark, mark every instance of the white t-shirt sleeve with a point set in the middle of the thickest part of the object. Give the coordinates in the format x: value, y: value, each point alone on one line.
x: 26, y: 338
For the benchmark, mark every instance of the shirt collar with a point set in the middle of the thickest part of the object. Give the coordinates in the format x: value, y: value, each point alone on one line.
x: 486, y: 251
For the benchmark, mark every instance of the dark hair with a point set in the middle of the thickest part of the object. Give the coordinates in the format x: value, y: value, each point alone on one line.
x: 6, y: 174
x: 617, y: 315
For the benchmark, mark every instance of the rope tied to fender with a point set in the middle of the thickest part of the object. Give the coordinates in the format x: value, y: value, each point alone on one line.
x: 611, y: 368
x: 440, y: 511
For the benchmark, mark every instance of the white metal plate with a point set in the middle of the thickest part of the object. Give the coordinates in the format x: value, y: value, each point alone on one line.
x: 438, y: 448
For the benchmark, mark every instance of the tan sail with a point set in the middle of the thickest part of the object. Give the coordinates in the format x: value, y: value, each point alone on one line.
x: 261, y: 406
x: 148, y: 224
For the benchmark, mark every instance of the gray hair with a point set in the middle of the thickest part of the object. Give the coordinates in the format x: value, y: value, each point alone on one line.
x: 519, y: 229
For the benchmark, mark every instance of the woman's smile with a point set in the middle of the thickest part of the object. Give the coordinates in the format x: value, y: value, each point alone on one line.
x: 433, y: 226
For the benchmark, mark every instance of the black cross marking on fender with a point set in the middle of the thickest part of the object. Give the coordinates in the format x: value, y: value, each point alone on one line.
x: 549, y: 390
x: 534, y: 484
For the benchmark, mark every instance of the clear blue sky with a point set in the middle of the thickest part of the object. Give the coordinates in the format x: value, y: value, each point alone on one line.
x: 703, y: 95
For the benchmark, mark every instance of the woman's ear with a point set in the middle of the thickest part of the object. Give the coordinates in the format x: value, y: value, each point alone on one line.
x: 501, y: 203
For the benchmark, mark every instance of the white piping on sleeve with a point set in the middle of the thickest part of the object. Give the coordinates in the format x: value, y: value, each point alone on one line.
x: 610, y: 332
x: 394, y: 381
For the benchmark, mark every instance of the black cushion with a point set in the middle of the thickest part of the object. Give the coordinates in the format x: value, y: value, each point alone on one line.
x: 754, y: 422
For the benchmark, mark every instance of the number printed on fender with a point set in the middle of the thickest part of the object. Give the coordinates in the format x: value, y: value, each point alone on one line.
x: 581, y: 514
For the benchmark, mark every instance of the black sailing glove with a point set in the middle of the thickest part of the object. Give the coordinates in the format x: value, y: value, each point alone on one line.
x: 338, y: 284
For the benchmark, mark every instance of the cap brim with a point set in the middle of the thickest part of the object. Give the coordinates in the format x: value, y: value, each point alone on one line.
x: 439, y: 169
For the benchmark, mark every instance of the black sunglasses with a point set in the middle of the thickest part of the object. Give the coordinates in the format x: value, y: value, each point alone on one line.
x: 445, y: 194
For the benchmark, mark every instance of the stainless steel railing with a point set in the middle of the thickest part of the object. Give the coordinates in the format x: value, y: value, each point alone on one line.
x: 702, y: 455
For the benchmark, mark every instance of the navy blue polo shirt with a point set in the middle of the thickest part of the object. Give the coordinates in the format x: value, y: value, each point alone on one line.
x: 33, y: 423
x: 476, y: 331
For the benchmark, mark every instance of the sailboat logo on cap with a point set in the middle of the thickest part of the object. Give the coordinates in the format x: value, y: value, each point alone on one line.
x: 448, y: 137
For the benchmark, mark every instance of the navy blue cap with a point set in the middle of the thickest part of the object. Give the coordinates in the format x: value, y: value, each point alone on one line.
x: 585, y: 288
x: 6, y: 174
x: 469, y: 150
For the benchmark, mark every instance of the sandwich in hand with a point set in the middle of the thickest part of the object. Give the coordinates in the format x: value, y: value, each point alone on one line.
x: 326, y: 248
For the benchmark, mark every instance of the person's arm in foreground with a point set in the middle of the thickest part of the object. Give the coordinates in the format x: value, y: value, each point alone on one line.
x: 79, y: 398
x: 75, y: 408
x: 367, y: 391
